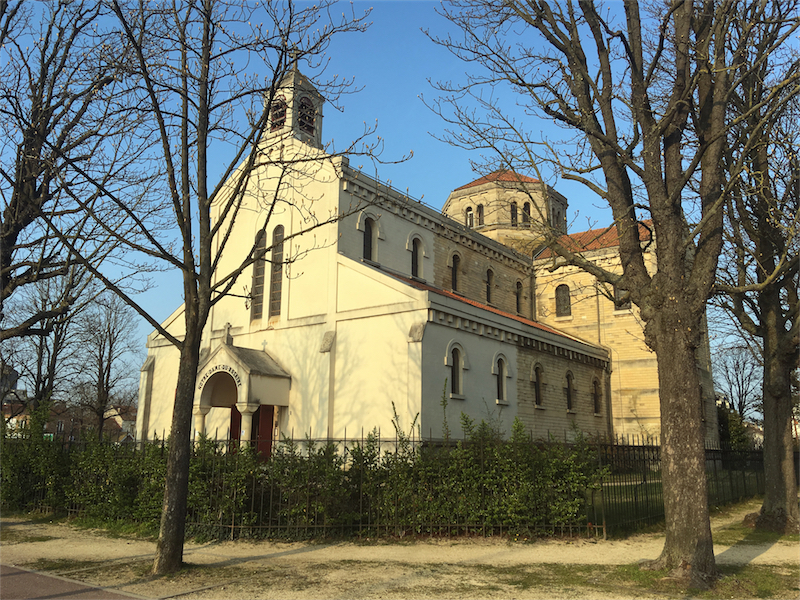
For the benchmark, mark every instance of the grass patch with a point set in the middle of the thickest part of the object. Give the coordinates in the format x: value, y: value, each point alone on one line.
x: 61, y: 565
x: 118, y: 528
x: 13, y: 536
x: 738, y: 533
x: 748, y: 581
x: 751, y: 581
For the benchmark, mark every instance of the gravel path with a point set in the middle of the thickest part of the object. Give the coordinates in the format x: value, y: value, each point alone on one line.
x: 438, y: 568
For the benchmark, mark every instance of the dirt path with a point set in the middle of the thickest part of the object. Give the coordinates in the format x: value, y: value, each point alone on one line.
x: 439, y: 568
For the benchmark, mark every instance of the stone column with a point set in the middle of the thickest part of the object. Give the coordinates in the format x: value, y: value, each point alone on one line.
x: 200, y: 413
x: 247, y: 411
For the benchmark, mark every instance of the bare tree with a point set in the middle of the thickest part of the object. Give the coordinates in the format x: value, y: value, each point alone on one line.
x: 206, y: 74
x: 758, y: 278
x: 64, y: 140
x: 107, y: 337
x: 643, y: 94
x: 737, y: 375
x: 45, y: 362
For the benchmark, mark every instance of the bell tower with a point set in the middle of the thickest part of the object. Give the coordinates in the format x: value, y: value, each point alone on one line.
x: 296, y: 111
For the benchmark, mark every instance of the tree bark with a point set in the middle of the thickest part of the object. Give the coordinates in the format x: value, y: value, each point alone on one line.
x: 779, y: 511
x: 688, y: 549
x: 169, y: 549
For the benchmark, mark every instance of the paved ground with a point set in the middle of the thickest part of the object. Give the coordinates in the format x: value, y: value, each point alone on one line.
x: 21, y: 584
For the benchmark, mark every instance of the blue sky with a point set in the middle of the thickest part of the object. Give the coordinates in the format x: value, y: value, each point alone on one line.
x: 394, y: 62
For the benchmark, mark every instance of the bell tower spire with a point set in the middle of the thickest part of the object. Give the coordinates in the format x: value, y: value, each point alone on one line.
x: 296, y: 110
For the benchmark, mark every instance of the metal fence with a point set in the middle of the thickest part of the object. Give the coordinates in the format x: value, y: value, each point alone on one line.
x: 632, y: 496
x: 372, y: 487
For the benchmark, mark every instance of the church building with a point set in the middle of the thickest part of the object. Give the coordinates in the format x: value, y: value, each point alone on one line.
x: 394, y: 314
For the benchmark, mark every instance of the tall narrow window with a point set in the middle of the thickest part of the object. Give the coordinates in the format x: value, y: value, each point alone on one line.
x: 416, y: 257
x: 277, y: 114
x: 276, y: 274
x: 563, y: 302
x: 513, y: 214
x: 306, y: 116
x: 518, y: 297
x: 479, y: 210
x: 489, y: 286
x: 569, y: 391
x: 596, y: 396
x: 526, y: 212
x: 470, y: 221
x: 257, y: 288
x: 369, y: 227
x: 454, y: 273
x: 537, y: 385
x: 455, y: 371
x: 501, y: 379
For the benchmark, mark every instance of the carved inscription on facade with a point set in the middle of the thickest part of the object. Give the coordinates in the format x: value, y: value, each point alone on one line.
x: 217, y: 369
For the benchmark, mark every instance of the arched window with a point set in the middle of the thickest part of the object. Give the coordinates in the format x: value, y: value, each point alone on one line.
x: 276, y: 274
x: 500, y: 374
x: 513, y: 214
x: 563, y: 302
x: 479, y: 210
x: 454, y: 273
x: 416, y: 257
x: 569, y: 392
x: 526, y: 212
x: 619, y: 303
x: 257, y: 288
x: 489, y: 286
x: 455, y: 371
x: 596, y: 397
x: 277, y: 114
x: 369, y: 239
x: 537, y: 385
x: 470, y: 218
x: 306, y: 115
x: 457, y: 363
x: 518, y: 296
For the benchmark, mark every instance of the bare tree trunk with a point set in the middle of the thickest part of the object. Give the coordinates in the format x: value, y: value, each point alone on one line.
x: 688, y: 548
x: 169, y: 549
x: 780, y: 509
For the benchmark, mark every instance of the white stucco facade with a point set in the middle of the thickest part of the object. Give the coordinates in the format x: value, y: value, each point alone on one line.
x: 367, y: 308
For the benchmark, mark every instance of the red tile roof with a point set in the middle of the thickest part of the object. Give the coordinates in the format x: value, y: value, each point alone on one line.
x: 596, y: 239
x: 424, y: 286
x: 501, y: 175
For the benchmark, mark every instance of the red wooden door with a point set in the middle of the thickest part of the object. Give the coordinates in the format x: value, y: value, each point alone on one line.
x: 236, y: 424
x: 262, y: 430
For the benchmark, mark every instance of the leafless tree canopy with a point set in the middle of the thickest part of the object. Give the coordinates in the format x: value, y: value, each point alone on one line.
x: 66, y: 139
x: 642, y: 92
x: 737, y: 377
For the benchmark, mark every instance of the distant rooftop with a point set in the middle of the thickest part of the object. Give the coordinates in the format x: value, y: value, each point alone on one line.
x: 596, y: 239
x: 502, y: 176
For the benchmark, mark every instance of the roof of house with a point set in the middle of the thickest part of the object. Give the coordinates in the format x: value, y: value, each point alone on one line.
x: 596, y: 239
x: 502, y: 176
x: 259, y: 362
x: 536, y: 325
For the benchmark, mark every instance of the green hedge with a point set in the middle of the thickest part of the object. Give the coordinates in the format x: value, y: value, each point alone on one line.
x: 306, y: 489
